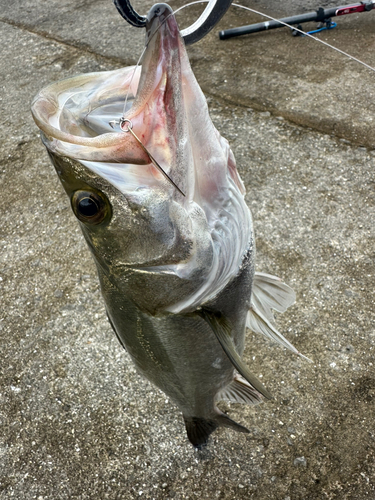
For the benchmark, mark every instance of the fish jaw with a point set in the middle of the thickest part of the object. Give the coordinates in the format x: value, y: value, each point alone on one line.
x: 199, y: 159
x: 169, y: 114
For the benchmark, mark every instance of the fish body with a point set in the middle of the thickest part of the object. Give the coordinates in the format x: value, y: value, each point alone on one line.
x: 177, y: 271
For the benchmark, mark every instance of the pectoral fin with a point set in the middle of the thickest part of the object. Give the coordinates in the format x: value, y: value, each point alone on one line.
x: 269, y: 292
x: 257, y: 323
x: 222, y: 330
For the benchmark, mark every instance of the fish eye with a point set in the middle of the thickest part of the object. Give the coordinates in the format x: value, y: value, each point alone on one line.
x: 90, y: 207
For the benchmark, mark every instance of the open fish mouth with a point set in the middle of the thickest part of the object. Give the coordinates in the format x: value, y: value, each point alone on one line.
x: 167, y: 109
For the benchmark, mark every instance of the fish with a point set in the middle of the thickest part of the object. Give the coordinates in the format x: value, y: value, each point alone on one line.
x: 161, y: 205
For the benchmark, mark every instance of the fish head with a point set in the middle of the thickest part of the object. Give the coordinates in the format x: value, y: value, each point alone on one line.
x: 123, y: 230
x: 139, y: 227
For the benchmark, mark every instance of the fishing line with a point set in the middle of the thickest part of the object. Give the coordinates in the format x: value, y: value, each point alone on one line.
x: 131, y: 79
x: 305, y: 34
x: 127, y: 126
x: 285, y: 24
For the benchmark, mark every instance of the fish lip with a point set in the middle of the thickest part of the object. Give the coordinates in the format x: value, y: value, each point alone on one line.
x: 156, y: 17
x: 48, y: 105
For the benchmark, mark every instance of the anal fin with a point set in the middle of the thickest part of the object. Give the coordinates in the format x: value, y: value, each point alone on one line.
x: 222, y: 331
x: 239, y: 391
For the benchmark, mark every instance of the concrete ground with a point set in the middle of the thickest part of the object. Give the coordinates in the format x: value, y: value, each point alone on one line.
x: 77, y: 421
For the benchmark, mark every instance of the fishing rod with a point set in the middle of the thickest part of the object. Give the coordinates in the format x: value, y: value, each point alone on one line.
x: 322, y: 16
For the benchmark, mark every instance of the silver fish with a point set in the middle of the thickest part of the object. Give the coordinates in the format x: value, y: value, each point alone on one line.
x: 176, y: 270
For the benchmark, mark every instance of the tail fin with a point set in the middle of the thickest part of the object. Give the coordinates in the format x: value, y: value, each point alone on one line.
x: 199, y: 429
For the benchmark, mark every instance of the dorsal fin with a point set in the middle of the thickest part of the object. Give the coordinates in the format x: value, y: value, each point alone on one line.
x: 269, y: 292
x: 222, y: 330
x: 257, y: 323
x: 239, y: 391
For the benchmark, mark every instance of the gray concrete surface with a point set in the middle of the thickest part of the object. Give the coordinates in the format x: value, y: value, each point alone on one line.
x: 77, y: 421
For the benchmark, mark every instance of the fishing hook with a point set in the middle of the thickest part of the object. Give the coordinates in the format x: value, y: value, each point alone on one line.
x: 127, y: 126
